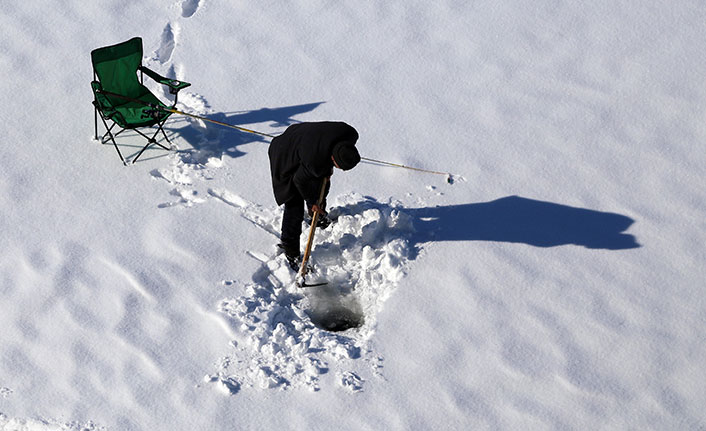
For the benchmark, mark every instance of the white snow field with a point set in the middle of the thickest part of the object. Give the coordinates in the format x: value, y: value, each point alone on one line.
x: 557, y: 283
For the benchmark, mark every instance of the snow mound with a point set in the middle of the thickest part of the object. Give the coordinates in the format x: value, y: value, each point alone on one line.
x: 292, y: 336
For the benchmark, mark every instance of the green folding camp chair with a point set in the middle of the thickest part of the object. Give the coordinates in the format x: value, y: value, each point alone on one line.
x: 120, y: 97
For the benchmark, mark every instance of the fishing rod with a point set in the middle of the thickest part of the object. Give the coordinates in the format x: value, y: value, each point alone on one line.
x: 242, y: 129
x: 155, y: 107
x: 449, y: 177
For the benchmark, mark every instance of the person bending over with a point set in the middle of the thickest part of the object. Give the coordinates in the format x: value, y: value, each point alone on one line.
x: 300, y: 159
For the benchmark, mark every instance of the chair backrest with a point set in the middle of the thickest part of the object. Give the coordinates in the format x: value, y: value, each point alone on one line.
x: 116, y: 67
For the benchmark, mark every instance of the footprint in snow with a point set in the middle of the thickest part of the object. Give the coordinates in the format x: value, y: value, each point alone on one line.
x: 167, y: 44
x: 189, y: 7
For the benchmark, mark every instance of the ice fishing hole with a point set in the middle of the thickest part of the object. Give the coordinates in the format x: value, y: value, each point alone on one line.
x: 334, y: 312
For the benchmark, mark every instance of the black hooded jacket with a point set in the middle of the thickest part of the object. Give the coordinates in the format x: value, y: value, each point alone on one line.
x: 300, y: 158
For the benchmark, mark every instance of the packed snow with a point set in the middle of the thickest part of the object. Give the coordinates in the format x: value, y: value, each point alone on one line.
x: 552, y: 279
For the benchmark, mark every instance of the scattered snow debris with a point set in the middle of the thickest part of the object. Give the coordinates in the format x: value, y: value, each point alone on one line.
x: 215, y: 162
x: 228, y: 385
x: 16, y: 424
x: 195, y: 103
x: 5, y: 392
x: 180, y: 173
x: 351, y: 381
x: 377, y: 365
x: 295, y: 335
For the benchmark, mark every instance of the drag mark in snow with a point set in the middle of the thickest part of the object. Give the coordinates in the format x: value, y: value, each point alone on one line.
x: 256, y: 214
x: 284, y: 341
x: 189, y: 7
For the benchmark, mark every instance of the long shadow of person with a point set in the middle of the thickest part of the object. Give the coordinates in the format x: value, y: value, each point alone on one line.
x: 511, y: 219
x: 516, y: 219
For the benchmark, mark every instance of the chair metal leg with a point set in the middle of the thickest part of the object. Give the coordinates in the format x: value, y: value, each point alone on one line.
x: 150, y: 141
x: 110, y: 134
x: 165, y: 134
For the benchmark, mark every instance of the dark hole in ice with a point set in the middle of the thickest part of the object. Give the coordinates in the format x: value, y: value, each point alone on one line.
x: 337, y: 319
x: 333, y: 310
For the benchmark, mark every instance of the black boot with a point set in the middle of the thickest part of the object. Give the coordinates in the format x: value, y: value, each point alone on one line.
x: 293, y: 256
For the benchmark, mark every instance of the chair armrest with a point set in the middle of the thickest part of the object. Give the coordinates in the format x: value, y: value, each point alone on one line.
x: 101, y: 101
x: 173, y: 84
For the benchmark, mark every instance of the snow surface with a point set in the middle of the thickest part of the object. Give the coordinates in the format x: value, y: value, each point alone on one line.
x: 558, y: 283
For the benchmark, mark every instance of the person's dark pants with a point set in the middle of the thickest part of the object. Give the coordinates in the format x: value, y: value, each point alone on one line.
x: 292, y: 223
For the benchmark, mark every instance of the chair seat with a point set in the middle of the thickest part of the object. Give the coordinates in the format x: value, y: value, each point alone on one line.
x: 133, y: 114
